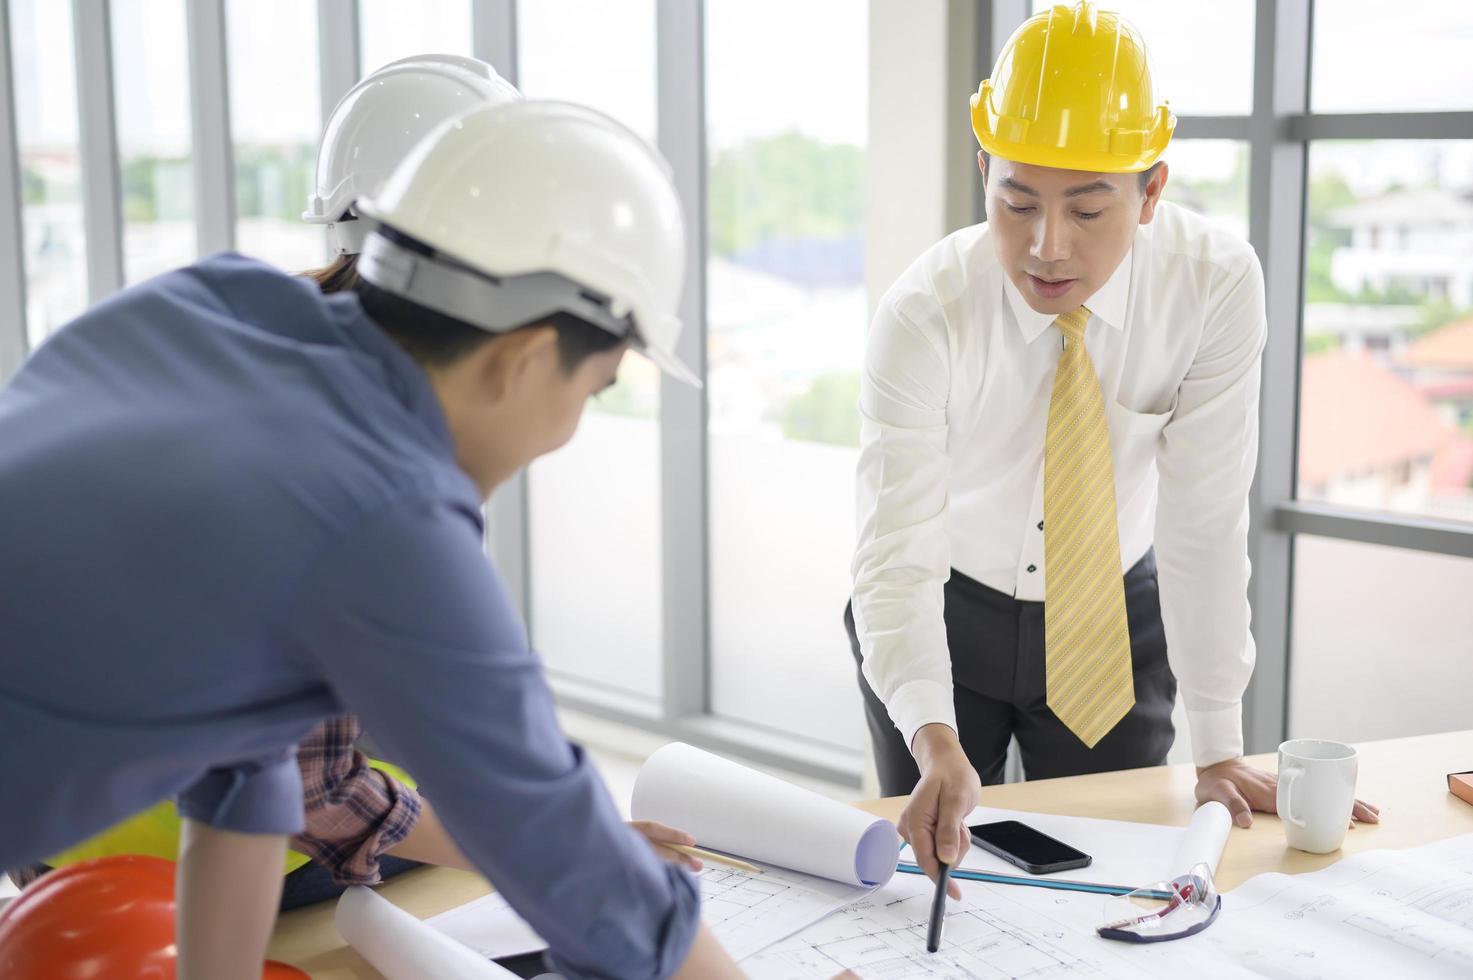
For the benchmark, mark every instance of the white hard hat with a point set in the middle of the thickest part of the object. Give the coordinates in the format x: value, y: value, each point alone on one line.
x: 523, y: 210
x: 379, y: 121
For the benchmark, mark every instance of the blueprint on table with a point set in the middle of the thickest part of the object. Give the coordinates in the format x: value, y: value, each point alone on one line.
x: 747, y: 912
x: 990, y: 933
x: 1402, y: 914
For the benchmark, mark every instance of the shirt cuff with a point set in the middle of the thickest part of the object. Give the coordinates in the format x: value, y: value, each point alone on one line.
x: 917, y: 704
x: 262, y: 796
x: 661, y: 951
x: 1217, y: 735
x: 348, y: 834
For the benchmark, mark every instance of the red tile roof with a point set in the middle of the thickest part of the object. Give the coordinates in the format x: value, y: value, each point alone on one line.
x: 1448, y: 348
x: 1452, y: 470
x: 1456, y: 389
x: 1356, y: 417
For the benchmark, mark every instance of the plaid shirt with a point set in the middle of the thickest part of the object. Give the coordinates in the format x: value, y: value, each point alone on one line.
x: 353, y: 813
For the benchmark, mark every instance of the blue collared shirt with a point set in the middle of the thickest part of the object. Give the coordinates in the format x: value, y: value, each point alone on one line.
x: 230, y: 507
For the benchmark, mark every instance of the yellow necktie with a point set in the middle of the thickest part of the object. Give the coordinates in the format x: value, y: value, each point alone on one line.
x: 1086, y: 636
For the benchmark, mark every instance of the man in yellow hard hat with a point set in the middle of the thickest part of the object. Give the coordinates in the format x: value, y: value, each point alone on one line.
x: 1059, y: 430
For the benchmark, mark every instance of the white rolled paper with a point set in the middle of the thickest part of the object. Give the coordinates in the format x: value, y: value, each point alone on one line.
x: 728, y: 807
x: 1205, y: 838
x: 402, y: 947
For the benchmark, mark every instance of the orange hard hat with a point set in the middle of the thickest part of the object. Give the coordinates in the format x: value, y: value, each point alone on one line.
x: 112, y: 917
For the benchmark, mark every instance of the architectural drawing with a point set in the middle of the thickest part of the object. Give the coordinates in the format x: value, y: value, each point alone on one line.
x: 749, y: 912
x: 986, y: 935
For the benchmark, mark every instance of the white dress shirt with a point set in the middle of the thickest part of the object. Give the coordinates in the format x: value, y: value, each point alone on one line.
x: 954, y: 405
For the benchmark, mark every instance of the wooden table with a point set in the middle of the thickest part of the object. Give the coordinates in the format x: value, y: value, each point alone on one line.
x: 1406, y: 777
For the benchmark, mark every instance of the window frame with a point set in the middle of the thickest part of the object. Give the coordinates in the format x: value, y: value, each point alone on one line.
x: 1278, y: 132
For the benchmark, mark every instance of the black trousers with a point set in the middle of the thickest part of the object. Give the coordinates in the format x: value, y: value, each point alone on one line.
x: 1000, y: 691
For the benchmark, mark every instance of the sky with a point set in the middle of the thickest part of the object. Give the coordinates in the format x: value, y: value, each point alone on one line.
x: 765, y: 73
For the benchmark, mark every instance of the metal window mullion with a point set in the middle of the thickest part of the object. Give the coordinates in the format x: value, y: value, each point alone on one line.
x: 1213, y: 127
x: 968, y: 61
x: 508, y: 524
x: 209, y: 120
x: 680, y: 58
x: 508, y: 542
x: 1005, y: 17
x: 102, y: 190
x: 1276, y: 203
x: 1381, y: 125
x: 1410, y: 531
x: 339, y: 63
x: 996, y: 20
x: 494, y: 35
x: 12, y: 234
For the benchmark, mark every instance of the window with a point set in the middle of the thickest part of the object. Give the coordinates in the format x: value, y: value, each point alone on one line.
x: 391, y: 30
x: 1211, y: 79
x: 1385, y: 383
x: 275, y: 110
x: 1211, y: 178
x: 595, y: 528
x: 50, y: 164
x: 151, y: 93
x: 787, y: 316
x: 1386, y: 399
x: 1371, y: 56
x: 597, y: 52
x: 1380, y: 641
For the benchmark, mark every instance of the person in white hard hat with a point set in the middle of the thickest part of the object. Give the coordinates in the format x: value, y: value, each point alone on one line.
x: 271, y: 501
x: 375, y: 125
x: 356, y: 813
x: 364, y: 819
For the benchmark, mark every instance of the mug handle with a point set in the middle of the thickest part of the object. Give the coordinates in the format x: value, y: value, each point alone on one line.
x: 1289, y: 777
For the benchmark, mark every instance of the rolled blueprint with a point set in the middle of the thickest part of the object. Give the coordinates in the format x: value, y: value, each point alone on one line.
x: 1205, y: 839
x: 402, y: 947
x: 728, y: 807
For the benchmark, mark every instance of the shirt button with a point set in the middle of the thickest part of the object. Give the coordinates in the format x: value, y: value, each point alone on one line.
x: 1033, y: 568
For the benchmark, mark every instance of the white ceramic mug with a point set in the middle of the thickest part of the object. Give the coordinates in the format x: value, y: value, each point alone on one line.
x: 1316, y: 792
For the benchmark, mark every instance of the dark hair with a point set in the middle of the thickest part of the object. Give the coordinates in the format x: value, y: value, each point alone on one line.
x: 1145, y: 175
x: 436, y: 340
x: 338, y: 277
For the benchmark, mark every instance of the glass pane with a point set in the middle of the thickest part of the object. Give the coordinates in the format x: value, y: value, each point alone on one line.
x: 392, y: 29
x: 787, y: 313
x: 1380, y: 641
x: 151, y: 89
x: 1213, y: 79
x: 597, y: 52
x: 596, y: 582
x: 50, y: 164
x: 1386, y: 399
x: 1373, y: 56
x: 1211, y: 178
x: 275, y: 113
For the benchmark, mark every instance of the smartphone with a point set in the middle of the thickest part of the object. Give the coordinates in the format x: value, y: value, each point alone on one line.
x: 1035, y: 852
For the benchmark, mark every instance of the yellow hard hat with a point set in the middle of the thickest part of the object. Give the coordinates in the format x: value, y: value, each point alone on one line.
x: 1072, y: 89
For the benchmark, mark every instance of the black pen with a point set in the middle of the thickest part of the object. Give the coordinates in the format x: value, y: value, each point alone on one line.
x: 938, y: 910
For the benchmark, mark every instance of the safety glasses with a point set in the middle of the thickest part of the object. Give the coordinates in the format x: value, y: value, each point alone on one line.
x: 1170, y: 910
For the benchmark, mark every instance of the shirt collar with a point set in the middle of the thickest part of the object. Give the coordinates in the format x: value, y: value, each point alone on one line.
x: 1108, y: 302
